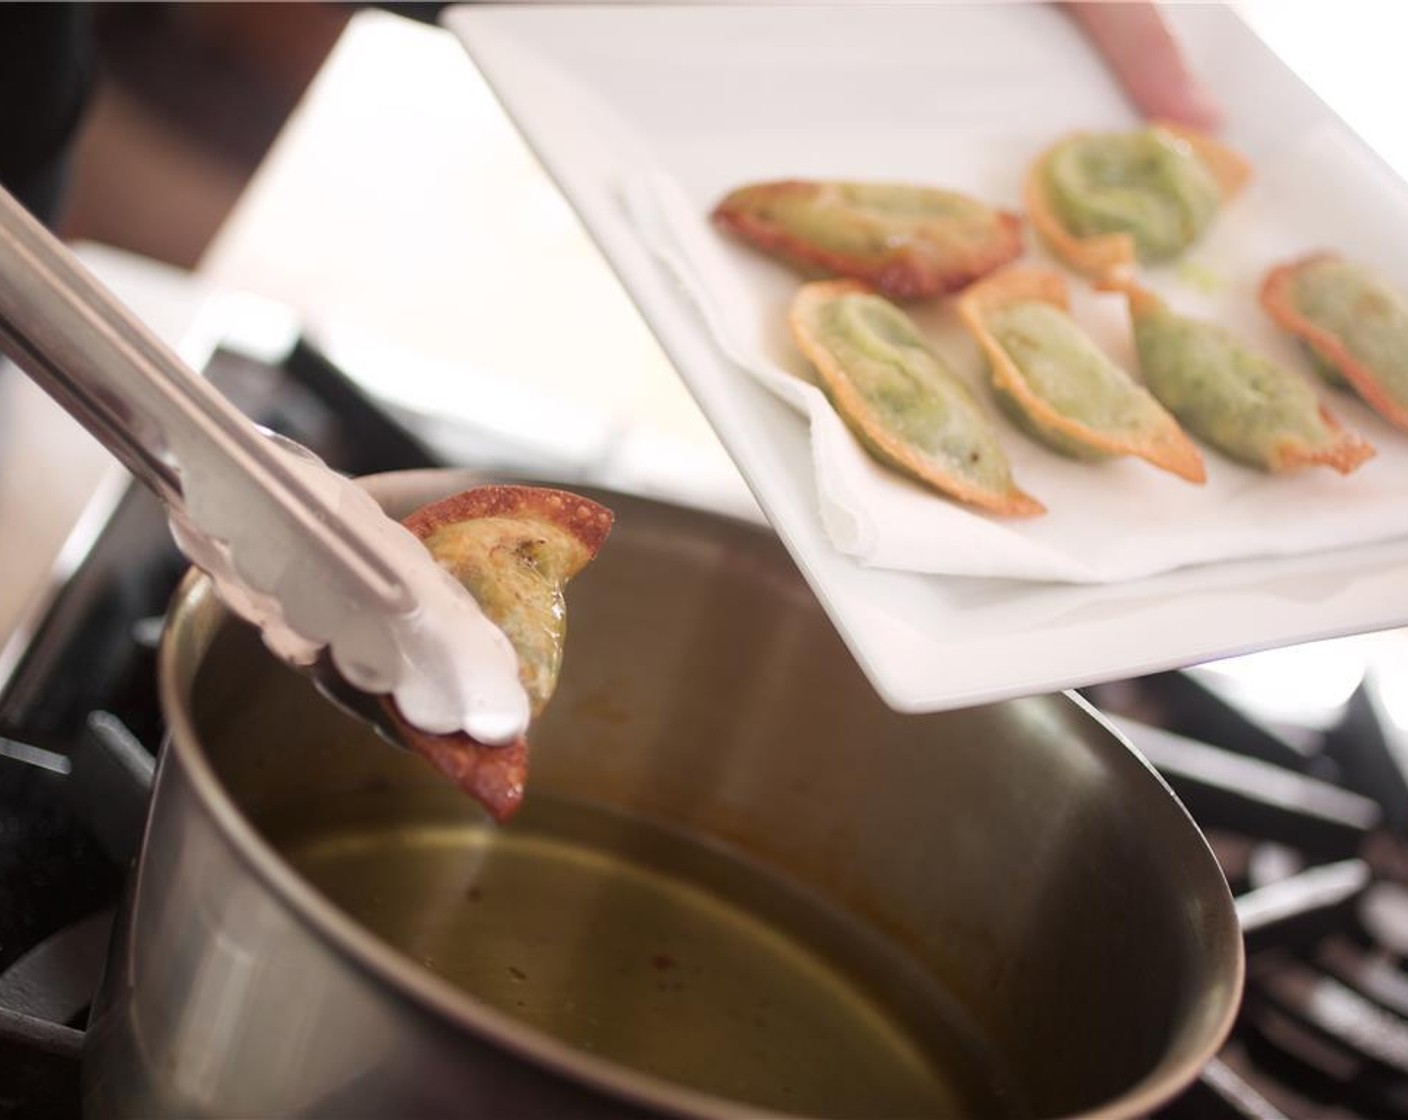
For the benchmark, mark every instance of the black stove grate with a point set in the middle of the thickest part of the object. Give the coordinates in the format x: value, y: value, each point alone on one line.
x: 52, y: 871
x: 1307, y: 826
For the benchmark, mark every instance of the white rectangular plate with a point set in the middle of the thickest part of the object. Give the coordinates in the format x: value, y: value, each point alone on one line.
x: 605, y: 94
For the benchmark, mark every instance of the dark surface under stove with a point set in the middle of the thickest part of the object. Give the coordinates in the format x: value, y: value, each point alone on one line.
x: 1309, y: 824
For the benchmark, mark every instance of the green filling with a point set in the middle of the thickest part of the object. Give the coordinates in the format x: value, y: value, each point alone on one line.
x: 1072, y: 446
x: 511, y: 565
x: 1072, y: 375
x: 1368, y: 317
x: 909, y: 394
x: 1148, y: 184
x: 1245, y: 405
x: 870, y: 220
x: 1327, y: 369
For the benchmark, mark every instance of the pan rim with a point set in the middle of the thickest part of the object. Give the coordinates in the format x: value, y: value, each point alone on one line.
x: 399, y: 976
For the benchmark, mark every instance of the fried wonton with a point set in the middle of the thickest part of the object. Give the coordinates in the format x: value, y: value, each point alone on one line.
x: 1062, y: 387
x: 906, y: 242
x: 1103, y: 201
x: 1244, y: 404
x: 513, y: 548
x: 903, y: 403
x: 1354, y: 324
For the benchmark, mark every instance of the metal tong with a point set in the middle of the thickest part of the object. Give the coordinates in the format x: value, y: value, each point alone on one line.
x: 122, y: 383
x: 132, y: 392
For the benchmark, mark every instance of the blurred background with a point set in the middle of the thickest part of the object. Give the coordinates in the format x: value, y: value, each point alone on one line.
x: 192, y: 96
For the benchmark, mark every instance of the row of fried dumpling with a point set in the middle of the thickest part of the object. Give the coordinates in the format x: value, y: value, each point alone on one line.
x: 1101, y: 202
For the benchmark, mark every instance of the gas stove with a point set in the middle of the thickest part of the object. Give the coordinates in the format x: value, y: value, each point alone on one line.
x: 1308, y: 818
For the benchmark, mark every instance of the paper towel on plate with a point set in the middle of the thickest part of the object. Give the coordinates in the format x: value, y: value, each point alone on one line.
x: 1109, y: 521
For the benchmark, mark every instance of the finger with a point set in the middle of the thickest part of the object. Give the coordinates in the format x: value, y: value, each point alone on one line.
x: 1145, y: 59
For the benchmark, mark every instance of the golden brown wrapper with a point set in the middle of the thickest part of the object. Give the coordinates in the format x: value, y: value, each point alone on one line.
x: 1167, y: 447
x: 1277, y: 297
x: 874, y: 434
x: 495, y: 775
x: 907, y: 260
x: 1345, y: 452
x: 1110, y: 255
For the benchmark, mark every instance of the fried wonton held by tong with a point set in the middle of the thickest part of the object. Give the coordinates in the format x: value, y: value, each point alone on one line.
x: 1059, y: 385
x: 1354, y: 324
x: 906, y: 242
x: 513, y: 548
x: 902, y: 402
x: 1244, y: 404
x: 1103, y: 201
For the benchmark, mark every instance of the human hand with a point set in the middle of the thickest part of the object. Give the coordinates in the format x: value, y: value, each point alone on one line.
x: 1145, y: 59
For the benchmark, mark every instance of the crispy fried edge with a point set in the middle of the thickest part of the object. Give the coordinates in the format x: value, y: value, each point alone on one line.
x: 902, y: 274
x: 1228, y: 167
x: 586, y: 520
x: 1347, y: 454
x: 1349, y: 451
x: 495, y: 775
x: 854, y: 410
x: 1108, y: 255
x: 1103, y: 256
x: 1276, y: 298
x: 1169, y: 448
